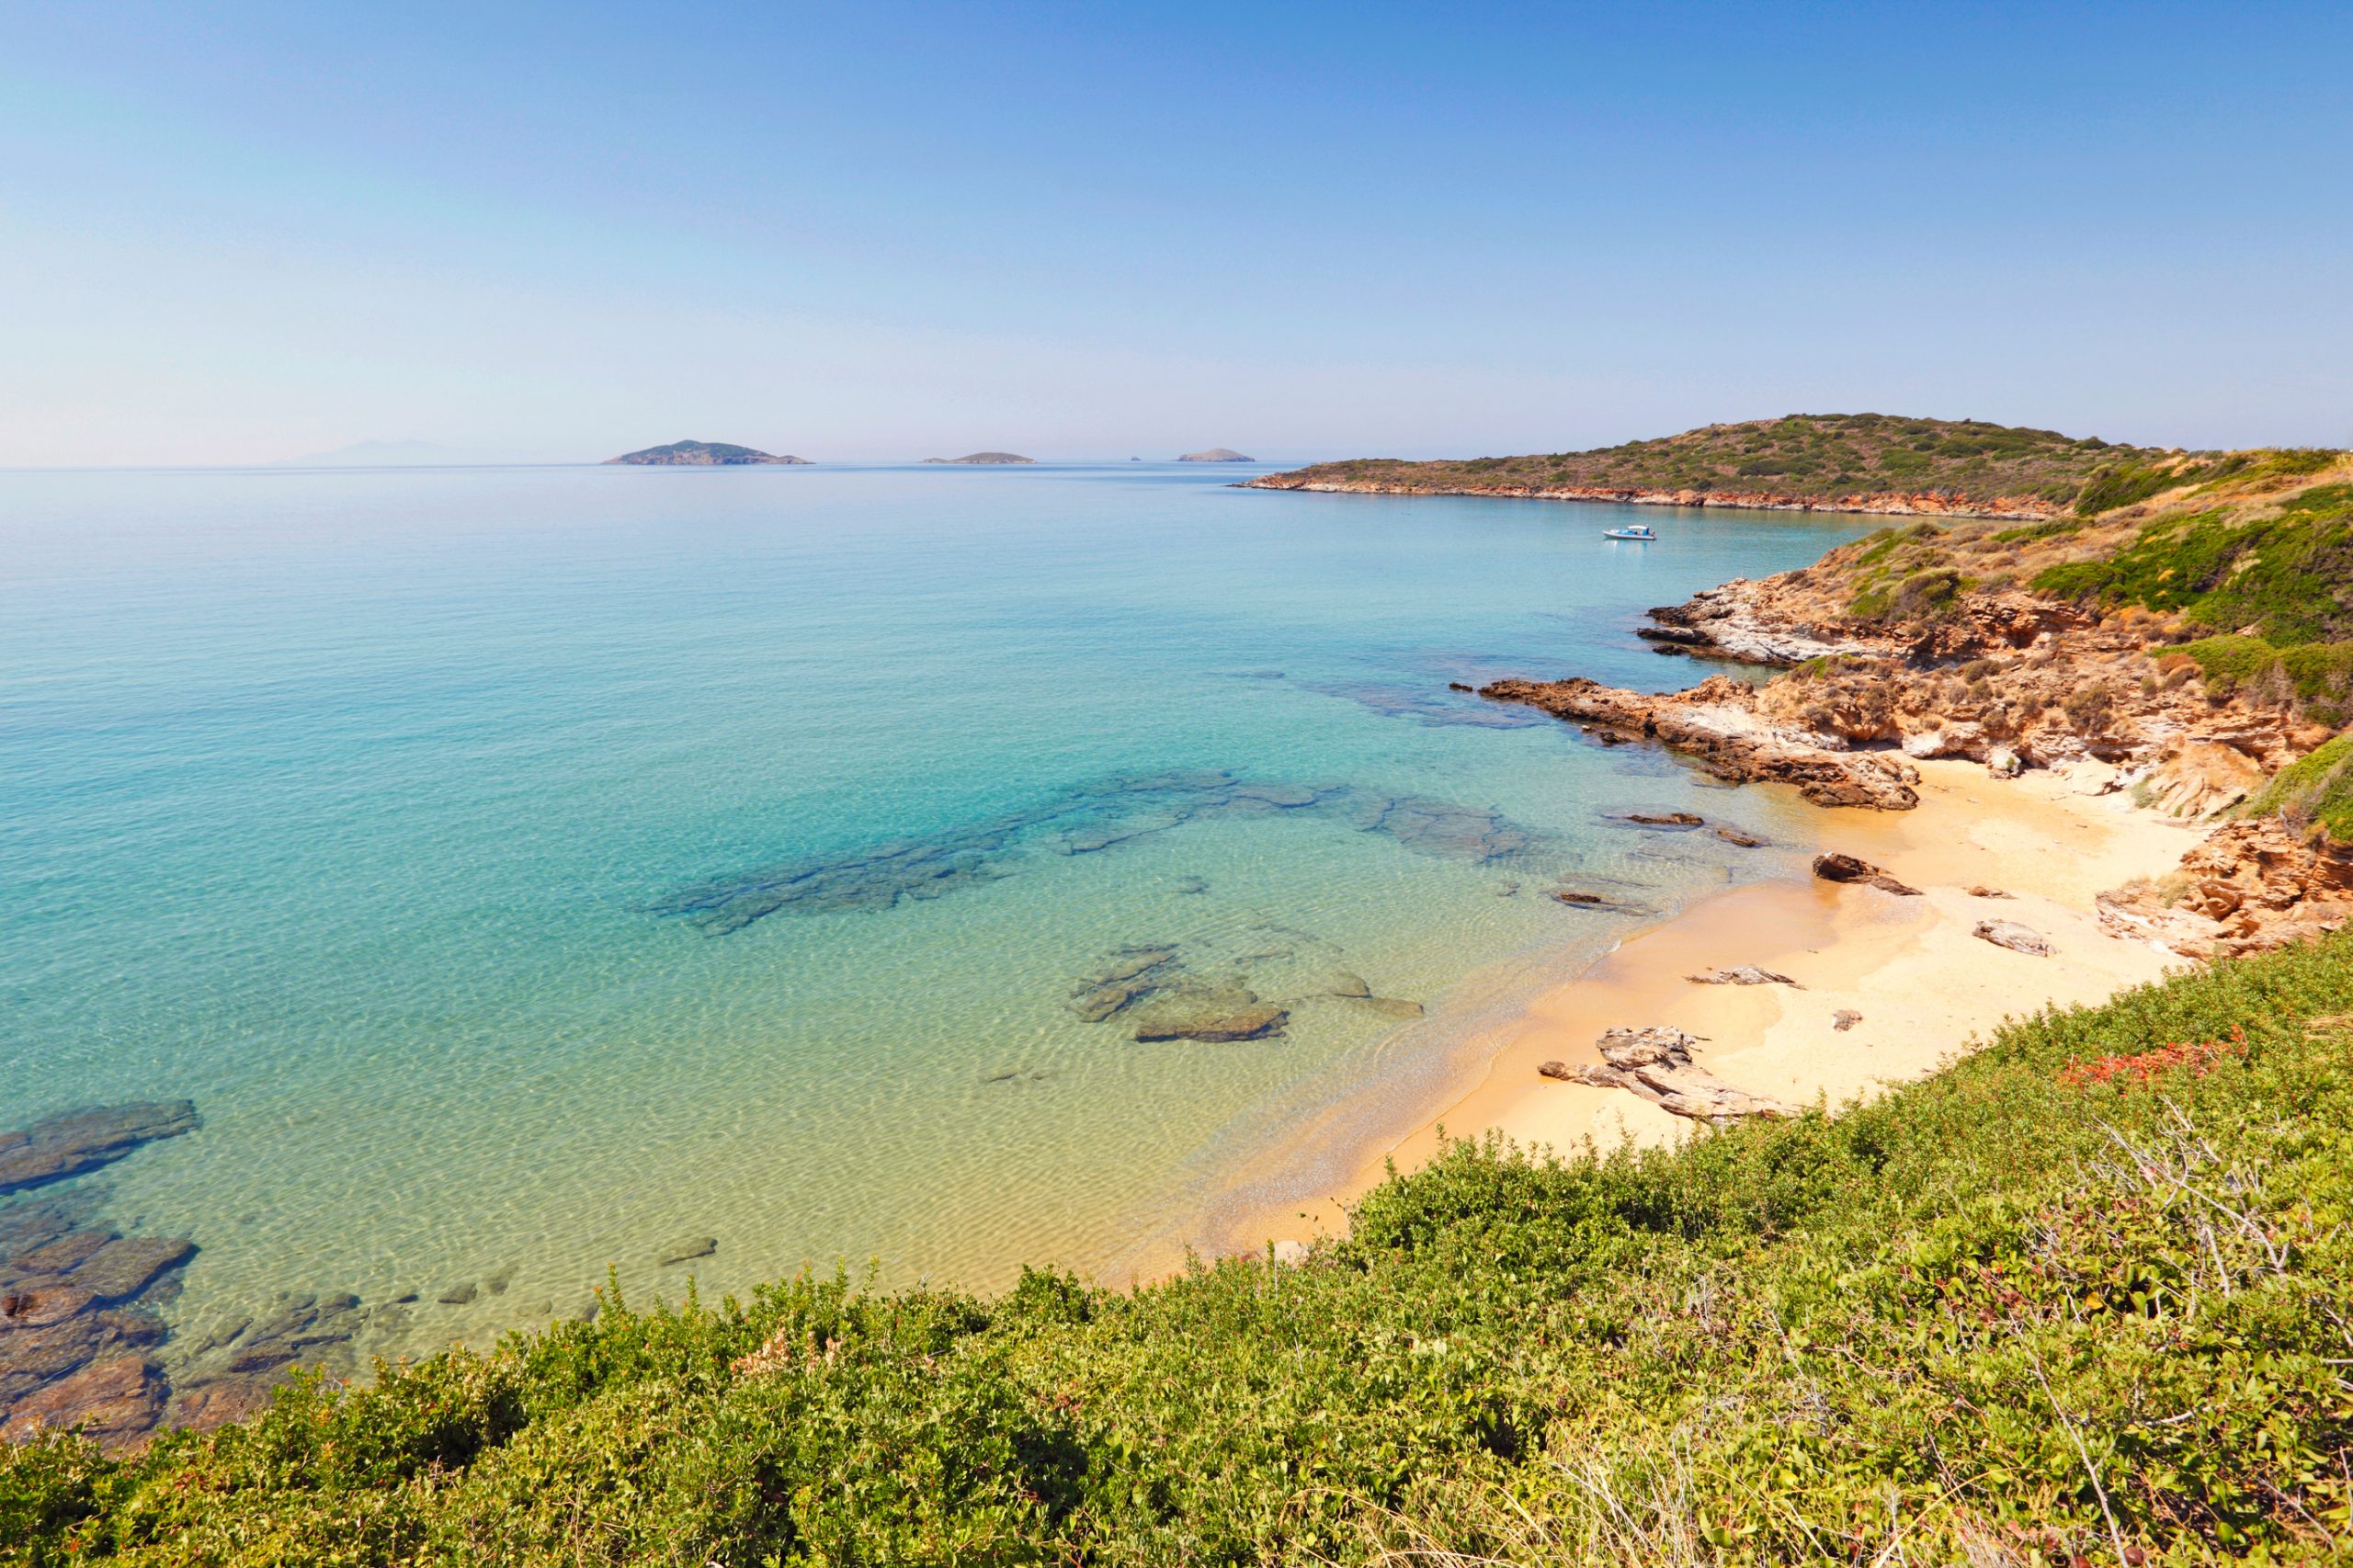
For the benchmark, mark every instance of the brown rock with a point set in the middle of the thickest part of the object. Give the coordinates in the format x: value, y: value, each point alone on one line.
x: 1845, y: 1018
x: 114, y: 1401
x: 686, y: 1249
x: 1987, y: 893
x: 1837, y: 868
x: 1741, y: 836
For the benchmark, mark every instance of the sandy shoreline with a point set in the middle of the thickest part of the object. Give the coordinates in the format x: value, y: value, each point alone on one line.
x: 1925, y: 986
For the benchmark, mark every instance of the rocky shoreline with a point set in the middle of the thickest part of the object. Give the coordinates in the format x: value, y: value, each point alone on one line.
x: 2007, y: 678
x: 1921, y: 504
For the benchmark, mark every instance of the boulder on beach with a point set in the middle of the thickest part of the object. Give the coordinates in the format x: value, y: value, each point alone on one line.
x: 1836, y: 868
x: 2011, y: 935
x: 1746, y: 974
x: 1655, y: 1064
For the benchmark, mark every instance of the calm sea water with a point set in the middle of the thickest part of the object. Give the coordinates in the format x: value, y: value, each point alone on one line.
x: 522, y: 869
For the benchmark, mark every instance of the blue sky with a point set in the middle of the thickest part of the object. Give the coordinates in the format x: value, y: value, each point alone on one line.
x: 243, y: 233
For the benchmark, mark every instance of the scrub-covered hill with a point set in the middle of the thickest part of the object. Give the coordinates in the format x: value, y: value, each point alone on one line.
x: 1857, y: 462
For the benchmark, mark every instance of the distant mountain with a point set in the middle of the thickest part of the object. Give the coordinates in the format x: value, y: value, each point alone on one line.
x: 697, y: 454
x: 984, y: 457
x: 384, y: 454
x: 1216, y: 455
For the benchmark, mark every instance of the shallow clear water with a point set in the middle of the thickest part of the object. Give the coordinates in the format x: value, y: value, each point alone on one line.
x: 523, y: 868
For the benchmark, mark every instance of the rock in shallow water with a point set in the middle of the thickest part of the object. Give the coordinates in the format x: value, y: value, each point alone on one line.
x: 686, y: 1249
x: 1216, y: 1012
x: 79, y: 1140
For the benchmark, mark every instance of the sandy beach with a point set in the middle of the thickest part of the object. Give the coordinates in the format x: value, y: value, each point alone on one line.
x: 1927, y: 988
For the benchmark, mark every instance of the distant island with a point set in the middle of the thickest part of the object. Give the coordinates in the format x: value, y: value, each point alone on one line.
x: 698, y: 454
x: 1812, y: 462
x: 984, y: 457
x: 1216, y: 455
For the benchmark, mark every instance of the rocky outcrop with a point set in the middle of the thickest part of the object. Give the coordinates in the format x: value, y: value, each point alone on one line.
x: 1740, y: 621
x: 1656, y: 1064
x: 1716, y: 724
x: 2249, y: 886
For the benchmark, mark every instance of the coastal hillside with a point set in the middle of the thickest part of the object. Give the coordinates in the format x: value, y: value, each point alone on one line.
x: 700, y: 454
x: 1855, y: 462
x: 2079, y: 1298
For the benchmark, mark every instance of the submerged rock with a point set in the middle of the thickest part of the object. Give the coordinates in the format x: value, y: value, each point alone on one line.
x: 1582, y: 898
x: 1192, y: 1010
x: 66, y: 1145
x: 1392, y: 1006
x: 1742, y: 836
x: 1664, y: 819
x: 686, y: 1249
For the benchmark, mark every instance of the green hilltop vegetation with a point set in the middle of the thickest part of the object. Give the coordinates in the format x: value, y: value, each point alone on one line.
x: 1819, y: 457
x: 2085, y: 1296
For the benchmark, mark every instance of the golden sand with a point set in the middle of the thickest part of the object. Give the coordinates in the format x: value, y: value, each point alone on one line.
x: 1927, y: 988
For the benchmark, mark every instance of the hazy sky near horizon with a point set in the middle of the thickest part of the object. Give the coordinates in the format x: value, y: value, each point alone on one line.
x: 245, y: 232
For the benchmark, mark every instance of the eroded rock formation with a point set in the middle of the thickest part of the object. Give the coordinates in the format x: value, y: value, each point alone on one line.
x: 2249, y: 886
x: 1717, y: 724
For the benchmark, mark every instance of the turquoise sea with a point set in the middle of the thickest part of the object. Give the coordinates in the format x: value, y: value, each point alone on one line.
x: 522, y: 869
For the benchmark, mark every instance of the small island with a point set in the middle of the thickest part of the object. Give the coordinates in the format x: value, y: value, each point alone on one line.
x: 698, y: 454
x: 984, y: 458
x: 1216, y: 455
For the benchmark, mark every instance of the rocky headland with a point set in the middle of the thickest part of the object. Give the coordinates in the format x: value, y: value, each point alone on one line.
x: 2088, y: 640
x: 985, y: 460
x: 1215, y: 455
x: 1871, y: 463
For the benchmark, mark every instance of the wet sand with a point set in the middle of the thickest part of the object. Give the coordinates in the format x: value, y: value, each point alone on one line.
x: 1928, y: 989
